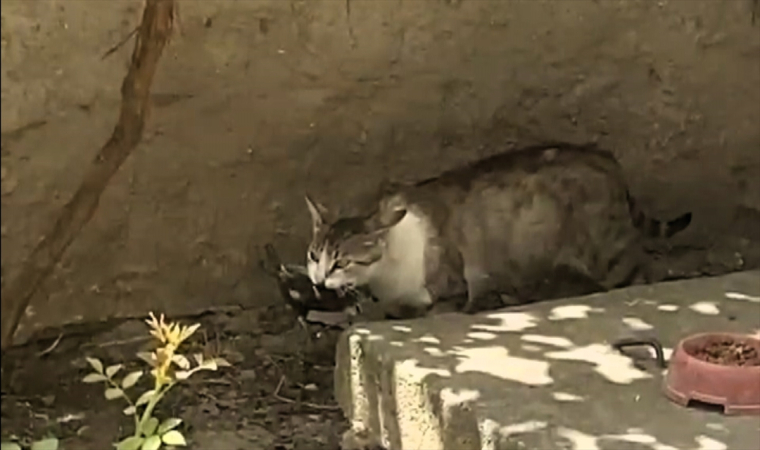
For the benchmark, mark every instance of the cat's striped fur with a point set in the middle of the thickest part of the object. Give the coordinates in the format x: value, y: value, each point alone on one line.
x: 541, y: 222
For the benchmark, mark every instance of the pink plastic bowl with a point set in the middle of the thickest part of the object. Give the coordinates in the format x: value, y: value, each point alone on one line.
x: 734, y: 388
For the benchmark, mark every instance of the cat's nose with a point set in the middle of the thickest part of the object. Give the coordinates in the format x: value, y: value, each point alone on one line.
x: 333, y: 284
x: 317, y: 280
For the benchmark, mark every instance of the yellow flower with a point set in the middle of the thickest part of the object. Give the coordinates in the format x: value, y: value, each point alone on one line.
x: 170, y: 335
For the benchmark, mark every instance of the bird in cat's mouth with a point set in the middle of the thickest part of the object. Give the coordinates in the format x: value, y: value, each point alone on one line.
x: 303, y: 296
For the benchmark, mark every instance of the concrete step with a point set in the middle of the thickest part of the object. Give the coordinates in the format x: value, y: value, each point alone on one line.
x: 543, y: 376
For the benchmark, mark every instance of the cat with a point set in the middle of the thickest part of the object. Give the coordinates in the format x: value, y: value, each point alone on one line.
x: 516, y: 225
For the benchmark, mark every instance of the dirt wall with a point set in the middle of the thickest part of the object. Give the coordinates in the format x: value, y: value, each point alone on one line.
x: 258, y: 102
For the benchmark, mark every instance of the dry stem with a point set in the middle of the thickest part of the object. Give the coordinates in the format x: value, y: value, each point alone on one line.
x: 153, y: 34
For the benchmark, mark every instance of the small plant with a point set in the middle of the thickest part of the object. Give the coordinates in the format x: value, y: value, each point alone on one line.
x: 50, y: 443
x: 168, y: 367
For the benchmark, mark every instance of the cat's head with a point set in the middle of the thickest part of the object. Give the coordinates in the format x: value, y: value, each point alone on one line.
x: 345, y: 251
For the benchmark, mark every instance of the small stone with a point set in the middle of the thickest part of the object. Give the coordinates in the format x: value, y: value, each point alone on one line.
x: 248, y: 375
x: 48, y: 400
x: 79, y: 363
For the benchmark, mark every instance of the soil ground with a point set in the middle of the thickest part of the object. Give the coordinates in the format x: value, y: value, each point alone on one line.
x: 277, y: 395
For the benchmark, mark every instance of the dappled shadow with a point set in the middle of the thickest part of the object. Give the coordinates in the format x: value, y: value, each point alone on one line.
x: 543, y: 374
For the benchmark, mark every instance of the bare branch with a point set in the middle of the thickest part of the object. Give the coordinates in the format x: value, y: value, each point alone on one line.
x: 152, y: 36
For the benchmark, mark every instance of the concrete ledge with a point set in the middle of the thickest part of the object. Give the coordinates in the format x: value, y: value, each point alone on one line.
x: 543, y: 376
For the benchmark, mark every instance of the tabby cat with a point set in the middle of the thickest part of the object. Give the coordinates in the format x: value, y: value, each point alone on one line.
x: 526, y: 225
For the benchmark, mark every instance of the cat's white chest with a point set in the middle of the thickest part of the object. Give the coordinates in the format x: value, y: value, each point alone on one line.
x: 400, y: 275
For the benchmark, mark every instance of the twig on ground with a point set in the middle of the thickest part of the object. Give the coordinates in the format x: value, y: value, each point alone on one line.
x: 131, y: 340
x: 279, y: 386
x: 279, y: 397
x: 153, y: 34
x: 52, y: 346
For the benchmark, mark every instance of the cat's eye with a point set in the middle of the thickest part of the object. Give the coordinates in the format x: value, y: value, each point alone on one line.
x: 312, y: 255
x: 364, y: 262
x: 340, y: 264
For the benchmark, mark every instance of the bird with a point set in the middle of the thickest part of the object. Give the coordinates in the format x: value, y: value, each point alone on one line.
x: 302, y: 296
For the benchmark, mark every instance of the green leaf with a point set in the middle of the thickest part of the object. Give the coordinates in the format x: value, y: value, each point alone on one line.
x: 221, y: 362
x: 94, y: 378
x: 149, y: 427
x: 130, y: 411
x: 168, y: 424
x: 174, y: 438
x: 130, y: 443
x: 113, y: 393
x: 145, y: 397
x: 151, y: 443
x: 45, y: 444
x: 95, y: 363
x: 112, y: 370
x: 183, y: 374
x: 209, y: 364
x: 131, y: 379
x: 9, y: 446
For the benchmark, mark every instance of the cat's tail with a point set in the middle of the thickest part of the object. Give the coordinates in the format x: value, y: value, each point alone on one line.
x: 656, y: 228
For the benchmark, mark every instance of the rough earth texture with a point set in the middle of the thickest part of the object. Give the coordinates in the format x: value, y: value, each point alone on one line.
x: 258, y: 102
x: 276, y: 396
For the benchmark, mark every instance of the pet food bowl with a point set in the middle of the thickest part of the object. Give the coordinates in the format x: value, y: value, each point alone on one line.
x: 718, y: 369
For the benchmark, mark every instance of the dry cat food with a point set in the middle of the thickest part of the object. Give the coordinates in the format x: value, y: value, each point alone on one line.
x: 729, y: 353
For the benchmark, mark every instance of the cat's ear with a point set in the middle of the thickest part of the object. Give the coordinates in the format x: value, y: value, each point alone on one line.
x: 317, y: 211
